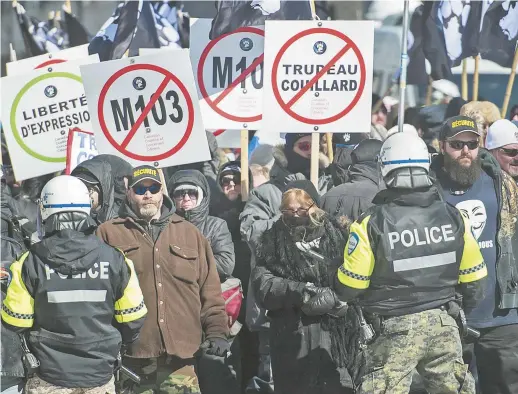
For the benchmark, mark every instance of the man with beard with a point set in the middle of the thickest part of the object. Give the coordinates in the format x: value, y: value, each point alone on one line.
x: 502, y: 142
x: 180, y: 283
x: 472, y: 180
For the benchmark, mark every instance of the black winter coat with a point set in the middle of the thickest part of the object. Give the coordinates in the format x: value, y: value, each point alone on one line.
x: 355, y: 196
x: 302, y: 348
x: 212, y: 228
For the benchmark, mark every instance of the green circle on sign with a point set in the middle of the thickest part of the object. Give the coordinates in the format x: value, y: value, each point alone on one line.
x: 17, y: 99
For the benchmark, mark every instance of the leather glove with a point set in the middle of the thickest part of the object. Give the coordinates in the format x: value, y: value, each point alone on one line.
x: 219, y: 347
x: 324, y: 301
x: 340, y: 309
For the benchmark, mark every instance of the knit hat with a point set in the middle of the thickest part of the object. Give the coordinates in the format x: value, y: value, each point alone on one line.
x: 292, y: 138
x: 366, y: 151
x: 191, y: 186
x: 308, y: 187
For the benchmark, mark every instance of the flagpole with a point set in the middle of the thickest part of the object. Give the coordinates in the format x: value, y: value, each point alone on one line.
x: 475, y: 78
x: 12, y: 53
x: 464, y: 80
x: 404, y: 64
x: 429, y: 91
x: 510, y: 83
x: 245, y: 181
x: 315, y: 137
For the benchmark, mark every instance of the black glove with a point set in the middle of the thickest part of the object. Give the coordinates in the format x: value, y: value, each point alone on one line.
x: 324, y: 301
x: 219, y: 347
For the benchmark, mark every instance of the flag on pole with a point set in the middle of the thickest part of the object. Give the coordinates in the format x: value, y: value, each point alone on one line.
x: 232, y: 14
x: 126, y: 28
x: 34, y: 45
x: 416, y: 69
x: 499, y: 31
x: 77, y: 34
x: 145, y: 34
x: 450, y: 33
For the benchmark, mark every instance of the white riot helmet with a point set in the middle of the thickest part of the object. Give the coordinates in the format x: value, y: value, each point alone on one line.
x: 64, y: 193
x: 403, y: 150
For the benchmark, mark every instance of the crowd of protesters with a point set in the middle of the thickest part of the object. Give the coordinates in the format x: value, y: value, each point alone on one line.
x: 190, y: 235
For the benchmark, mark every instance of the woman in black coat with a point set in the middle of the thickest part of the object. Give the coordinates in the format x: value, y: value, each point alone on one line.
x: 307, y: 321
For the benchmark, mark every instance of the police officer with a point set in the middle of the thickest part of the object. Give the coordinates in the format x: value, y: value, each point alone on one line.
x: 67, y: 290
x: 403, y: 262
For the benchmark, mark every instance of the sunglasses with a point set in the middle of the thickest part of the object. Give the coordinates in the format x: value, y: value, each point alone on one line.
x: 180, y: 194
x: 141, y: 190
x: 298, y: 212
x: 509, y: 152
x: 304, y: 146
x: 225, y: 181
x: 459, y: 145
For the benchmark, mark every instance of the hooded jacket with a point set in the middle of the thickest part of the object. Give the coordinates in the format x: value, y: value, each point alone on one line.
x: 120, y: 169
x: 506, y: 240
x: 103, y: 172
x: 353, y: 198
x: 213, y: 228
x: 80, y: 298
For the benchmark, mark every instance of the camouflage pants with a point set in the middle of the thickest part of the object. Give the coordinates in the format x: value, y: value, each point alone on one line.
x: 163, y: 375
x: 428, y: 342
x: 36, y: 385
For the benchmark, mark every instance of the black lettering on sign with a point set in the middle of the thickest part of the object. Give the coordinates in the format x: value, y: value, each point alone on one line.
x: 125, y: 117
x: 223, y: 76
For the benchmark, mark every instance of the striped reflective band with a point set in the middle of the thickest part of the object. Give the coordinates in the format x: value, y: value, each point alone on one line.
x: 61, y: 297
x: 409, y: 161
x: 416, y: 263
x: 66, y: 205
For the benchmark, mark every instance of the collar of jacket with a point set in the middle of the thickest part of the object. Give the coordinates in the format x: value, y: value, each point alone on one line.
x: 419, y: 197
x: 168, y: 214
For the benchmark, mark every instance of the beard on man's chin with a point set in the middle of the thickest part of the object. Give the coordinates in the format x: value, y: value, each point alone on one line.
x: 464, y: 176
x: 148, y: 210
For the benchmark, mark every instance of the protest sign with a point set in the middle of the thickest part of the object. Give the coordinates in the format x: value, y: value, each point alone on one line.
x: 318, y: 76
x: 229, y: 75
x: 39, y: 108
x: 33, y: 63
x: 145, y: 109
x: 227, y: 138
x: 80, y: 147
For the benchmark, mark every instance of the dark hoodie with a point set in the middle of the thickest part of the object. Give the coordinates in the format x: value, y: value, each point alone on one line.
x: 214, y: 229
x: 120, y: 169
x: 76, y: 342
x: 103, y: 172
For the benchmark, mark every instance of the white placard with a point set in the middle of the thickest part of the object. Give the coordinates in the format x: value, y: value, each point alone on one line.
x: 318, y: 76
x: 229, y: 75
x: 145, y: 109
x: 227, y: 138
x: 80, y: 147
x: 38, y: 110
x: 47, y: 60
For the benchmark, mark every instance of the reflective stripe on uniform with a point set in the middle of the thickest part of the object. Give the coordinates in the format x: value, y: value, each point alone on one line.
x: 131, y: 305
x: 61, y: 297
x: 472, y: 266
x: 18, y: 306
x: 434, y: 260
x: 358, y: 258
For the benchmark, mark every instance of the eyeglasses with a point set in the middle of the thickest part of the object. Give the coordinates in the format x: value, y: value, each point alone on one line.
x: 141, y: 190
x: 304, y: 146
x: 459, y: 145
x: 180, y: 194
x: 298, y: 212
x: 509, y: 152
x: 225, y: 181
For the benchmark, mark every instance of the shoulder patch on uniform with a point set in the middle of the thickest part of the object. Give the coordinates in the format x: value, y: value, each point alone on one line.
x: 354, y: 239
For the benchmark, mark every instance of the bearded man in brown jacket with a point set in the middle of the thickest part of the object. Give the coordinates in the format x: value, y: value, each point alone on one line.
x: 180, y: 283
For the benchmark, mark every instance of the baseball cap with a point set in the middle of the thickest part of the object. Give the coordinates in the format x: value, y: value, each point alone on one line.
x: 501, y: 133
x: 85, y: 176
x: 456, y: 125
x: 144, y: 172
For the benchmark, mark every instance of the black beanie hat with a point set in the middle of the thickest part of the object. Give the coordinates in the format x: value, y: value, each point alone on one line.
x: 291, y: 138
x: 308, y: 187
x: 366, y: 151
